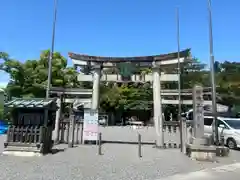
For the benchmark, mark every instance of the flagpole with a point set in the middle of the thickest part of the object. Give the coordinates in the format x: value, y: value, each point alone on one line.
x: 52, y: 50
x: 214, y: 105
x: 179, y: 78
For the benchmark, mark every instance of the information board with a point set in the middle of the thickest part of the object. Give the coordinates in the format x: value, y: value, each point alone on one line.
x: 90, y: 126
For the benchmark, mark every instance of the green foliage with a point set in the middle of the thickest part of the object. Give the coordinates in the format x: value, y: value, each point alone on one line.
x: 30, y: 78
x: 126, y: 96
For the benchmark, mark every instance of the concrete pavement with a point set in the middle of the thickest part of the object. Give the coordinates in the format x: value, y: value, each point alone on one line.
x: 231, y: 171
x: 118, y: 162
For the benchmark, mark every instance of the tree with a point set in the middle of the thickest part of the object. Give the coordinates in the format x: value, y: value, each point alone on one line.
x: 228, y: 82
x: 30, y: 77
x: 127, y: 96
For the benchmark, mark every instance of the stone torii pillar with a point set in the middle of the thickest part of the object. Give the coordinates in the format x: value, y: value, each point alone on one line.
x: 96, y: 86
x: 157, y: 105
x: 57, y: 120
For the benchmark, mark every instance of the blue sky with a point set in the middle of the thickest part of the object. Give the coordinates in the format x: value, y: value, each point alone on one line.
x: 118, y: 28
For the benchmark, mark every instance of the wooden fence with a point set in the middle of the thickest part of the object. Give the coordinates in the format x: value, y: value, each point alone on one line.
x: 29, y: 138
x: 64, y: 131
x: 171, y: 131
x: 129, y: 134
x: 17, y: 134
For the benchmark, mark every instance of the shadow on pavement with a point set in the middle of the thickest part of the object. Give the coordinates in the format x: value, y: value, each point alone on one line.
x: 127, y: 142
x: 55, y: 151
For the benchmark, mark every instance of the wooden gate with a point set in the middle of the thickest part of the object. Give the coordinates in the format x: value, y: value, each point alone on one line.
x: 64, y: 131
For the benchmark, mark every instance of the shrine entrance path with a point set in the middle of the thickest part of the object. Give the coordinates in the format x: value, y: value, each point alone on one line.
x: 118, y: 162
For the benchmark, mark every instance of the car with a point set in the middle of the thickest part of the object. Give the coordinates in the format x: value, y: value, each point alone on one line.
x: 229, y: 128
x: 102, y: 121
x: 3, y: 127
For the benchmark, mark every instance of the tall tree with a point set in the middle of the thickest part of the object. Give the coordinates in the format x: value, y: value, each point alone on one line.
x: 29, y: 78
x: 228, y: 81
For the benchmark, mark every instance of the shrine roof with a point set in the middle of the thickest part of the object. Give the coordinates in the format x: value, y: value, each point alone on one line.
x: 161, y: 57
x: 29, y: 103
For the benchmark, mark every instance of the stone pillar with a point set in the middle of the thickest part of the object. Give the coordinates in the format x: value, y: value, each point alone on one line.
x: 198, y: 119
x: 57, y: 121
x: 184, y: 139
x: 157, y: 106
x: 199, y: 147
x: 71, y: 128
x: 96, y: 86
x: 91, y: 121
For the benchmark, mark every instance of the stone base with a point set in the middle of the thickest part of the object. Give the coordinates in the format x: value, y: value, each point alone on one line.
x: 206, y: 141
x: 222, y: 151
x: 22, y: 153
x: 199, y: 141
x: 201, y: 153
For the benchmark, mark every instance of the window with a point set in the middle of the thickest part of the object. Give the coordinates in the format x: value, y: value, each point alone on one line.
x: 235, y: 124
x: 220, y: 123
x: 208, y: 121
x: 190, y: 115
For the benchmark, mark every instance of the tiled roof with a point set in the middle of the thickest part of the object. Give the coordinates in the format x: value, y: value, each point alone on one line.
x: 29, y: 103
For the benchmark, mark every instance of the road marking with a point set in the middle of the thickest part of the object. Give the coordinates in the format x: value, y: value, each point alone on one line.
x: 206, y: 173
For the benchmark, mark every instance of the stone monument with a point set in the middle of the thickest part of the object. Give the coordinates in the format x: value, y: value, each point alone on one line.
x: 200, y: 146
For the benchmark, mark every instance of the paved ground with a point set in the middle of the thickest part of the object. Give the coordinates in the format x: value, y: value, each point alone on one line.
x: 118, y: 162
x: 224, y: 172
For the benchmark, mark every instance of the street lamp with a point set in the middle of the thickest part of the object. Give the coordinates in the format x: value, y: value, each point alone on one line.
x: 52, y: 50
x: 212, y: 62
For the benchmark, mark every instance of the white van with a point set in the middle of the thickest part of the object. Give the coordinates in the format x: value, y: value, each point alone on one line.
x: 229, y: 127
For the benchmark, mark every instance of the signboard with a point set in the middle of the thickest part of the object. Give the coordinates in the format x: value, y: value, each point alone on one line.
x: 90, y: 126
x: 126, y: 70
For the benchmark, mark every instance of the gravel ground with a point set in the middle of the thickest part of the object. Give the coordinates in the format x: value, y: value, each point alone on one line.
x: 118, y: 162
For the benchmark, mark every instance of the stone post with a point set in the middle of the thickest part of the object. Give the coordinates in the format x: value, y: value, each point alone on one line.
x: 199, y: 147
x: 57, y: 121
x: 71, y: 128
x: 198, y: 119
x: 157, y: 106
x: 184, y: 135
x: 96, y: 85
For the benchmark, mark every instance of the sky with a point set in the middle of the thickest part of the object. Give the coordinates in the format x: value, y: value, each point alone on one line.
x: 118, y: 28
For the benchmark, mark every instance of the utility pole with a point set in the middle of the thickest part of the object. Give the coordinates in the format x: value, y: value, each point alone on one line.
x: 179, y: 80
x: 212, y: 62
x: 49, y: 80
